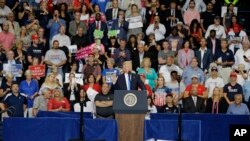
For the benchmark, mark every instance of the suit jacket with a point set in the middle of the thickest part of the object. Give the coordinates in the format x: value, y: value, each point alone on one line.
x: 167, y: 14
x: 136, y: 59
x: 189, y: 106
x: 184, y: 57
x: 73, y: 27
x: 123, y: 28
x: 134, y: 85
x: 104, y: 28
x: 109, y: 14
x: 207, y: 58
x: 210, y: 44
x: 67, y: 92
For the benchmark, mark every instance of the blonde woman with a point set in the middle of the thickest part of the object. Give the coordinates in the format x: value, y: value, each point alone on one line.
x: 151, y: 75
x: 59, y: 102
x: 24, y: 37
x: 50, y: 83
x: 217, y: 103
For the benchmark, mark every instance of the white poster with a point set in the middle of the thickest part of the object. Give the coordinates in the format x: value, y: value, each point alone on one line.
x: 72, y: 48
x: 78, y: 78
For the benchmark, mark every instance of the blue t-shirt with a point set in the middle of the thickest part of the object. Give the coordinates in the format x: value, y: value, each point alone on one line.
x: 17, y: 102
x: 101, y: 3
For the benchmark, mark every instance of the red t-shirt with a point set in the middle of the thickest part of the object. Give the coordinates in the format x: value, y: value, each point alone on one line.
x: 54, y: 104
x: 200, y: 89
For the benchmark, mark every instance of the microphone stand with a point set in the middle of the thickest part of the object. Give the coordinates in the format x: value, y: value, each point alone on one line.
x: 82, y: 135
x: 81, y: 129
x: 179, y: 129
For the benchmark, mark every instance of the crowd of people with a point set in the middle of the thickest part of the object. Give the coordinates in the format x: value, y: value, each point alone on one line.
x: 180, y: 52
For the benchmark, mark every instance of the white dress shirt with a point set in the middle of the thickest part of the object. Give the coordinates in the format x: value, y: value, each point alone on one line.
x: 159, y: 33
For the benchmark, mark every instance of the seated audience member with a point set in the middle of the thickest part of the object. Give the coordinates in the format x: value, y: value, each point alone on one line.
x: 88, y: 106
x: 195, y: 30
x: 237, y: 107
x: 149, y: 73
x: 58, y: 102
x: 41, y: 102
x: 232, y: 88
x: 214, y: 81
x: 128, y: 80
x: 91, y: 87
x: 216, y: 103
x: 20, y: 54
x: 201, y: 89
x: 194, y: 103
x: 160, y: 93
x: 193, y: 69
x: 92, y: 67
x: 104, y: 103
x: 169, y: 107
x: 143, y: 79
x: 58, y: 77
x: 71, y: 90
x: 109, y: 72
x: 14, y: 99
x: 185, y: 55
x: 29, y: 88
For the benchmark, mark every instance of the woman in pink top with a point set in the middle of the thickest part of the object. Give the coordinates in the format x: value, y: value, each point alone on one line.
x: 7, y: 39
x: 191, y: 14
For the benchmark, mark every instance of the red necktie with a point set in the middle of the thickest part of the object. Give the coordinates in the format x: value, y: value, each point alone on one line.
x: 97, y: 25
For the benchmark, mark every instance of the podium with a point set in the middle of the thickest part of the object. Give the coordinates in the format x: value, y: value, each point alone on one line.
x: 130, y: 108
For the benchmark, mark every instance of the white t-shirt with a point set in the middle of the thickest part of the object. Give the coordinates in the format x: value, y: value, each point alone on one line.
x: 211, y: 83
x: 88, y: 108
x: 166, y: 72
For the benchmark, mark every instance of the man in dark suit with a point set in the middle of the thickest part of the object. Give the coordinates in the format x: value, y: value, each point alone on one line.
x: 204, y: 56
x: 171, y: 16
x: 194, y: 103
x: 138, y: 56
x: 121, y: 25
x: 213, y: 43
x: 98, y: 25
x: 112, y: 13
x: 128, y: 80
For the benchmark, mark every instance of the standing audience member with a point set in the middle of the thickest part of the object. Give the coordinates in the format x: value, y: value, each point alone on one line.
x: 15, y: 99
x: 104, y: 103
x: 41, y: 102
x: 29, y: 88
x: 7, y: 39
x: 58, y: 103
